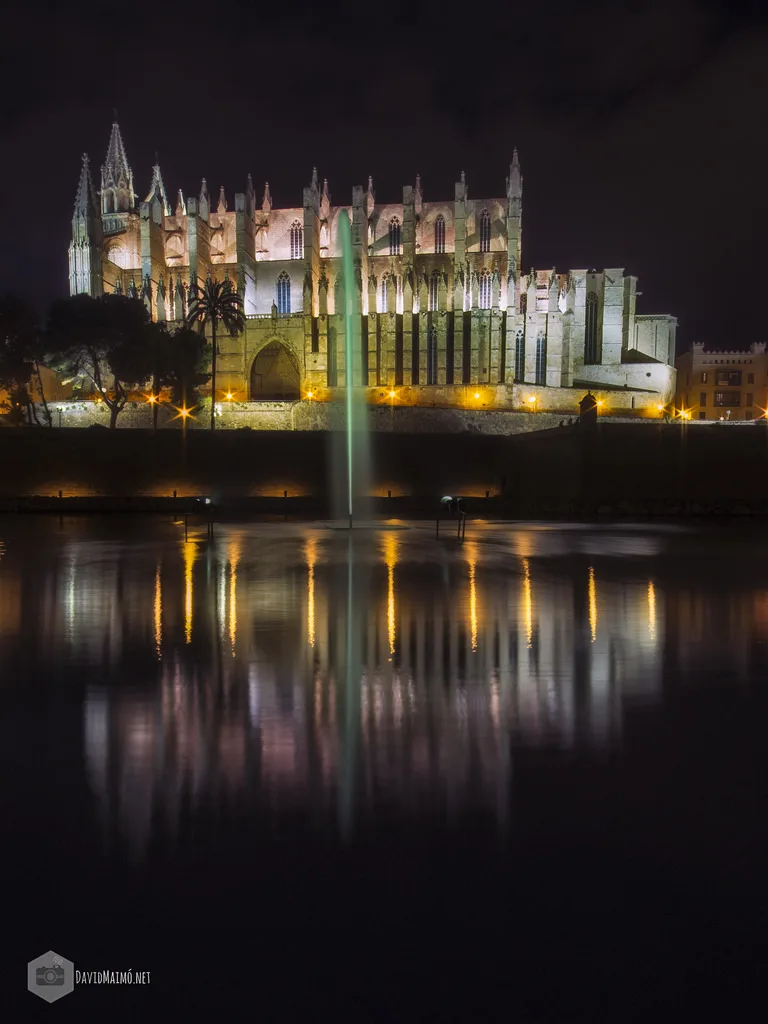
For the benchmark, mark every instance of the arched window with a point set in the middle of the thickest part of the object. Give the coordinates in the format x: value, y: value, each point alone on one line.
x: 283, y: 293
x: 297, y: 241
x: 394, y: 237
x: 591, y: 350
x: 485, y: 231
x: 541, y: 360
x: 440, y: 234
x: 520, y: 357
x: 432, y: 356
x: 484, y: 298
x: 383, y: 300
x: 434, y: 289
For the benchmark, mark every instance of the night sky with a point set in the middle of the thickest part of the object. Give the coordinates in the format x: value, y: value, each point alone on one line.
x: 641, y: 130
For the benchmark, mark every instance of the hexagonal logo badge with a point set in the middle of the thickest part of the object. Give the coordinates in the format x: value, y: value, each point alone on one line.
x: 50, y: 976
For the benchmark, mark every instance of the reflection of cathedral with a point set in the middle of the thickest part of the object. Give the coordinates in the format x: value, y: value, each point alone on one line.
x: 441, y: 300
x: 221, y: 672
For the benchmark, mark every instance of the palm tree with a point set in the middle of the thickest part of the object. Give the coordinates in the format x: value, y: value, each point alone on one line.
x: 216, y: 301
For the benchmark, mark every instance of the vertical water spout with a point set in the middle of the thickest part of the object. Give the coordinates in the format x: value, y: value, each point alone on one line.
x: 349, y: 312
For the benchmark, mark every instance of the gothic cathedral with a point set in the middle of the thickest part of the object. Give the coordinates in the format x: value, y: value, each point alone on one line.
x: 442, y: 298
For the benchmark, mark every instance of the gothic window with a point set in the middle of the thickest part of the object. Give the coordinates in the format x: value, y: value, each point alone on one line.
x: 432, y: 357
x: 440, y: 234
x: 383, y: 300
x: 283, y: 293
x: 520, y: 357
x: 524, y: 303
x: 541, y: 360
x: 297, y: 241
x: 591, y: 351
x: 434, y: 289
x: 484, y: 298
x: 485, y: 231
x: 394, y: 237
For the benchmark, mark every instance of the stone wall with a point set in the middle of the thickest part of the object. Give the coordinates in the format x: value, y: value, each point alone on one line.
x: 320, y: 416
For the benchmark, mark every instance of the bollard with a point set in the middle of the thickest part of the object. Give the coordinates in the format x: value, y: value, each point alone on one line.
x: 487, y: 494
x: 60, y: 494
x: 389, y: 494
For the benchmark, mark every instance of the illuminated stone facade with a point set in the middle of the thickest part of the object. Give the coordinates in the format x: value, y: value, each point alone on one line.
x: 722, y: 385
x: 443, y: 301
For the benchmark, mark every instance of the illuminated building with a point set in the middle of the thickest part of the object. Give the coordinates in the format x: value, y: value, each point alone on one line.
x: 727, y: 385
x: 441, y: 293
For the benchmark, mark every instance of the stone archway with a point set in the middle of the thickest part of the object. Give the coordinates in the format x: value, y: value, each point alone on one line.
x: 275, y: 375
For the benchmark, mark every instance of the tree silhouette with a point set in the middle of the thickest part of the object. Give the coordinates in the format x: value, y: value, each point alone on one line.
x: 217, y: 302
x: 20, y: 358
x: 99, y: 338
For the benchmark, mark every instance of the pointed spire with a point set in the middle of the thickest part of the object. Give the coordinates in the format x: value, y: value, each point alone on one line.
x: 85, y: 200
x: 116, y: 175
x: 313, y: 185
x: 325, y: 202
x: 157, y: 191
x: 222, y: 207
x: 266, y: 203
x: 417, y: 195
x: 515, y: 179
x: 370, y: 199
x: 181, y: 206
x: 204, y: 205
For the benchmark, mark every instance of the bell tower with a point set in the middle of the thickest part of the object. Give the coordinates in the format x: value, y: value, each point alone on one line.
x: 85, y: 247
x: 117, y: 195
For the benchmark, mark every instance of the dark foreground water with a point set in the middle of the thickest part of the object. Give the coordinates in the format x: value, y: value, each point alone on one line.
x: 287, y: 762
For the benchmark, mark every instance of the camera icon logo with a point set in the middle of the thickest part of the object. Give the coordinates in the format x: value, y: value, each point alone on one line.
x: 50, y: 976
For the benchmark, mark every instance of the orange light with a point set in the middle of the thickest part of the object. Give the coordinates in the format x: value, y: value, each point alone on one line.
x: 229, y: 396
x: 391, y: 394
x: 532, y: 399
x: 184, y: 413
x: 477, y: 394
x: 309, y: 394
x: 599, y: 403
x: 151, y: 399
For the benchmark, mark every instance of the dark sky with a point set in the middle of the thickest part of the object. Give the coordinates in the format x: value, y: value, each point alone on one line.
x: 641, y: 129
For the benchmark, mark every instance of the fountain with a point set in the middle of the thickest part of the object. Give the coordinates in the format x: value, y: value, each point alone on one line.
x: 351, y: 454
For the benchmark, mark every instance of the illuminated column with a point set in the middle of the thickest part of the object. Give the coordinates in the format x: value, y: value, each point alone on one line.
x: 494, y: 367
x: 85, y: 249
x: 441, y: 321
x: 613, y: 315
x: 459, y: 283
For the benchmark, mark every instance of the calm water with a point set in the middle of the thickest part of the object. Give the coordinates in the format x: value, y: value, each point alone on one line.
x: 550, y: 733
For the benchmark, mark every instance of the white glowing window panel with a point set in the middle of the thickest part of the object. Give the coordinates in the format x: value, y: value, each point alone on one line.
x: 394, y: 237
x: 484, y: 295
x: 434, y: 289
x: 485, y: 231
x: 297, y: 241
x: 283, y: 293
x: 120, y: 256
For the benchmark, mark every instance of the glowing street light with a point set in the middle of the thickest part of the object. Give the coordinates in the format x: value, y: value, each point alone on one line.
x: 477, y: 394
x: 151, y: 399
x: 532, y: 400
x: 229, y: 396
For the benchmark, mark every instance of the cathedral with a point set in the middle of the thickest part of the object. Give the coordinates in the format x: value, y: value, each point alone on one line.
x: 445, y: 308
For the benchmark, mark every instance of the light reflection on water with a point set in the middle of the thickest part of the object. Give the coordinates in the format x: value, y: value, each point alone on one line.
x: 218, y: 669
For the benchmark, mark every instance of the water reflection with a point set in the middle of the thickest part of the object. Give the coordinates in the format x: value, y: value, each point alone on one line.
x: 356, y: 675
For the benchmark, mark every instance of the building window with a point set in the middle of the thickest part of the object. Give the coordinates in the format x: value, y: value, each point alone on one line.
x: 749, y: 398
x: 748, y: 414
x: 485, y: 231
x: 283, y: 293
x: 702, y: 415
x: 704, y: 377
x: 728, y: 378
x: 484, y: 298
x: 750, y: 378
x: 703, y: 398
x: 591, y: 353
x: 434, y: 289
x: 541, y: 360
x: 519, y: 357
x: 297, y: 241
x: 394, y: 237
x: 440, y: 234
x: 432, y: 356
x: 384, y: 299
x: 727, y: 398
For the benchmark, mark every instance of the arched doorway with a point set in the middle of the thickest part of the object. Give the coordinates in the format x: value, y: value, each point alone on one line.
x: 275, y: 375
